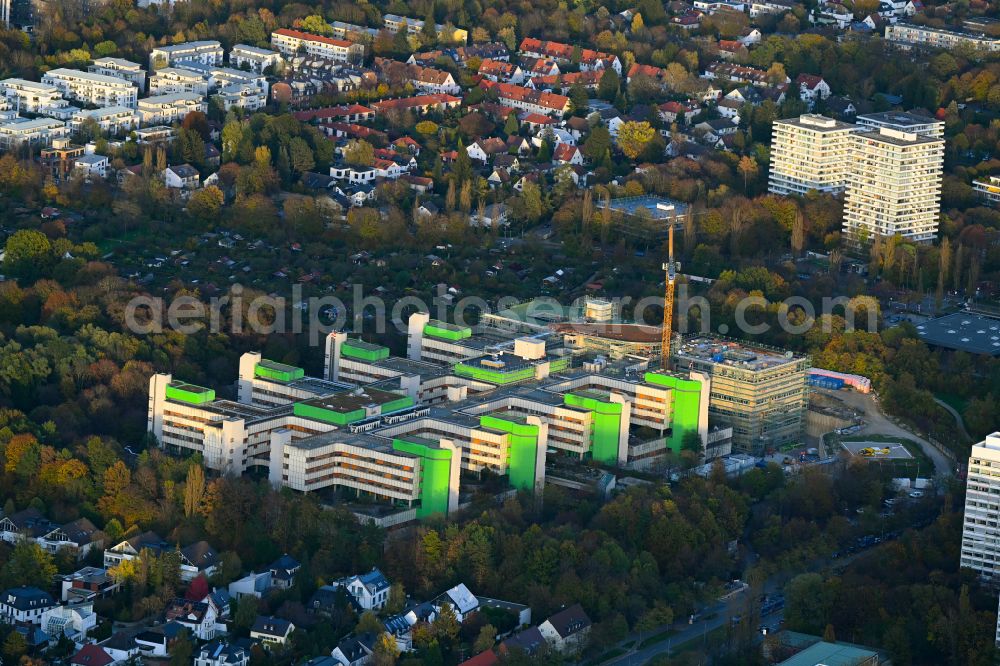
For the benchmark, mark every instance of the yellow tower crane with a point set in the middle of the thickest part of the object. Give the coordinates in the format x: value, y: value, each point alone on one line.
x: 668, y: 299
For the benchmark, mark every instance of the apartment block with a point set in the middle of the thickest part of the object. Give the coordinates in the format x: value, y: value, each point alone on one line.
x: 171, y: 80
x: 909, y: 35
x: 988, y: 190
x: 32, y: 96
x: 241, y: 96
x: 123, y: 69
x: 218, y: 76
x: 40, y: 132
x: 394, y: 23
x: 168, y: 109
x: 810, y: 152
x: 761, y: 393
x: 114, y: 120
x: 292, y: 42
x: 253, y: 58
x: 89, y: 88
x: 208, y: 52
x: 893, y: 186
x: 981, y: 525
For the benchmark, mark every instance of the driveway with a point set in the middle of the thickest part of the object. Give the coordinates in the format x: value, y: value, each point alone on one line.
x: 877, y: 423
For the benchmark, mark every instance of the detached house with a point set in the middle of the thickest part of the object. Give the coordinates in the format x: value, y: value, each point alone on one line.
x: 181, y: 177
x: 198, y: 617
x: 271, y: 630
x: 24, y: 605
x: 371, y: 590
x: 567, y: 631
x: 812, y: 88
x: 484, y: 149
x: 77, y: 535
x: 29, y: 524
x: 219, y: 652
x: 567, y: 154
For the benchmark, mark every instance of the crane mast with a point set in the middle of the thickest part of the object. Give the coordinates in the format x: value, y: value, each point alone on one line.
x: 668, y: 299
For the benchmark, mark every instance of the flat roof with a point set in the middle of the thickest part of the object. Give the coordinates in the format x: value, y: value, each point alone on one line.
x: 898, y: 119
x: 89, y: 76
x: 816, y: 123
x: 659, y: 208
x: 348, y: 402
x: 891, y: 135
x: 720, y: 351
x: 831, y: 654
x: 963, y: 331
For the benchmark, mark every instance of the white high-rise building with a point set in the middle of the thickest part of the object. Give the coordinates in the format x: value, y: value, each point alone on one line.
x: 981, y: 528
x: 893, y: 185
x: 904, y: 122
x: 809, y: 153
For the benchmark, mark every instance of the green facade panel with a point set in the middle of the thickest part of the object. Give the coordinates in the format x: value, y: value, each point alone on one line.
x: 278, y: 371
x: 363, y: 351
x: 189, y: 393
x: 315, y: 413
x: 437, y: 329
x: 558, y: 364
x: 435, y: 475
x: 523, y: 446
x: 685, y: 407
x: 395, y: 405
x: 607, y: 418
x: 493, y: 376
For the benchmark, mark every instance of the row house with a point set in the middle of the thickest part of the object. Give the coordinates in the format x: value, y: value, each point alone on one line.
x: 672, y: 112
x: 207, y: 52
x: 588, y: 58
x: 426, y: 79
x: 168, y: 109
x: 532, y: 66
x: 255, y: 58
x: 501, y: 71
x: 419, y: 104
x: 123, y: 69
x: 688, y: 21
x: 292, y: 42
x: 533, y: 101
x: 738, y: 73
x: 350, y: 113
x: 589, y: 80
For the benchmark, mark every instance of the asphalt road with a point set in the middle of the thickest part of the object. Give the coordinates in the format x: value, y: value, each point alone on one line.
x: 876, y: 423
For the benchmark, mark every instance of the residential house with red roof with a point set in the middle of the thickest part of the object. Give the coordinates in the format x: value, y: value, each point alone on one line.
x: 588, y: 58
x: 812, y: 88
x: 533, y: 101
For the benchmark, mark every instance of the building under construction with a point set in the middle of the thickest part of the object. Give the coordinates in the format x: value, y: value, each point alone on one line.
x: 760, y: 392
